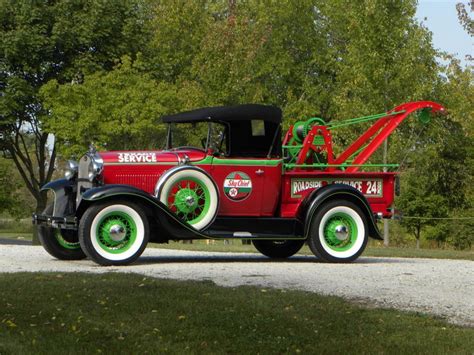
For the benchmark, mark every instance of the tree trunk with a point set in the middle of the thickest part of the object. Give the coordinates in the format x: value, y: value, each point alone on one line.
x: 386, y: 234
x: 417, y: 236
x: 34, y: 161
x: 41, y: 203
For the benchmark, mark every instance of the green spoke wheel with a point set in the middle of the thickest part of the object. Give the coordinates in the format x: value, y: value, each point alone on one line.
x: 191, y: 194
x: 63, y: 244
x: 338, y: 232
x: 114, y: 233
x: 189, y: 198
x: 67, y: 239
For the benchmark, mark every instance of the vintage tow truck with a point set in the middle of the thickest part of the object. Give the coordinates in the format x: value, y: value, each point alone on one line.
x: 245, y: 182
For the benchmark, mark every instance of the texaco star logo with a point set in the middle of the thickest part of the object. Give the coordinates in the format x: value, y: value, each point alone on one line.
x: 237, y: 186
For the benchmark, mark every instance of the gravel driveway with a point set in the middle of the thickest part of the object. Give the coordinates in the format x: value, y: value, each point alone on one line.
x: 440, y: 287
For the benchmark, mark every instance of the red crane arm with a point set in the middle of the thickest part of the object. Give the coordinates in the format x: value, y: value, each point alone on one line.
x: 384, y: 126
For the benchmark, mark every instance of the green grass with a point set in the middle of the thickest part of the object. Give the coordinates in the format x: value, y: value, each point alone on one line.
x: 372, y: 250
x: 16, y: 225
x: 118, y: 313
x: 16, y: 235
x: 420, y: 253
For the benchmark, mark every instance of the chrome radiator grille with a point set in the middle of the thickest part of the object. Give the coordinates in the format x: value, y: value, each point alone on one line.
x: 83, y: 182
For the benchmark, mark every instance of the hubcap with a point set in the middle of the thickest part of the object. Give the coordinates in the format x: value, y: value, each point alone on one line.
x: 116, y: 232
x: 190, y: 201
x: 340, y: 231
x: 186, y: 200
x: 189, y: 198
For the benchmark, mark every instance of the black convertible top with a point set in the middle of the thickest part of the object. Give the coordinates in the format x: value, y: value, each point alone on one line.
x: 228, y: 113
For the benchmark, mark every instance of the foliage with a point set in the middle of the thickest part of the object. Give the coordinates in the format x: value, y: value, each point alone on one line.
x: 8, y: 187
x: 420, y: 204
x: 95, y: 313
x: 440, y: 188
x: 118, y: 109
x: 178, y: 27
x: 260, y: 52
x: 15, y: 200
x: 105, y: 71
x: 61, y: 40
x: 374, y: 74
x: 465, y: 20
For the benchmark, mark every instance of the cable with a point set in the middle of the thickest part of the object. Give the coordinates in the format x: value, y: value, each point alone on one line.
x: 411, y: 145
x: 451, y: 218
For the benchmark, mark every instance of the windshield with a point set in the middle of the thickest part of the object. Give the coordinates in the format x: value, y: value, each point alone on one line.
x: 202, y: 135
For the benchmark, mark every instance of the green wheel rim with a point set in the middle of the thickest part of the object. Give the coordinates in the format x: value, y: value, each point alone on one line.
x: 334, y: 238
x: 64, y: 243
x: 190, y: 199
x: 105, y: 238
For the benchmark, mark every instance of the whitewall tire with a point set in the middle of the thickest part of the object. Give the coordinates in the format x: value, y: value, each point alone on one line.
x: 114, y: 233
x: 191, y: 194
x: 338, y: 232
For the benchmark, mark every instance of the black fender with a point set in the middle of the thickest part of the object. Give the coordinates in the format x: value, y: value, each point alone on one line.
x: 318, y: 197
x: 64, y: 191
x: 166, y: 223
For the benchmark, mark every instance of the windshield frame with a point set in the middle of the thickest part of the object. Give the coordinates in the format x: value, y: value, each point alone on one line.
x: 223, y: 147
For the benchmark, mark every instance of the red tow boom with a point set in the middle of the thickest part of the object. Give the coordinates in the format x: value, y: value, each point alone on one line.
x: 316, y: 139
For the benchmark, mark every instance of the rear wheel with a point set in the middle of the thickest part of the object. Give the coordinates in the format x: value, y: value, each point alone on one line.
x: 338, y: 232
x: 114, y: 233
x: 63, y: 244
x: 278, y: 249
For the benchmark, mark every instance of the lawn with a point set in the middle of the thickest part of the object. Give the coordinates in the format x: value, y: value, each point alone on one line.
x: 118, y: 313
x: 372, y: 250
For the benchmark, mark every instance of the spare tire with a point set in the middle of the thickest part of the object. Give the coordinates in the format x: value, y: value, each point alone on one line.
x: 191, y: 194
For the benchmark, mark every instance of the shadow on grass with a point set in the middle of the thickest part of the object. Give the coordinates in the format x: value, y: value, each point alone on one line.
x: 15, y: 242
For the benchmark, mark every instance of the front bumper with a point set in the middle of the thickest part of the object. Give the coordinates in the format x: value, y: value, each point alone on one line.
x: 55, y: 222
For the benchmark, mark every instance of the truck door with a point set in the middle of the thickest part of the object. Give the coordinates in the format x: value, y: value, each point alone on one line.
x: 247, y: 187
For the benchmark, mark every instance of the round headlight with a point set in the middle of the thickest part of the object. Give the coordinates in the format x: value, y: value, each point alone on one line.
x: 96, y: 167
x: 71, y: 169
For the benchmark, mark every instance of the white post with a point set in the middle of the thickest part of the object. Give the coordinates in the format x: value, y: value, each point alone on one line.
x: 386, y: 234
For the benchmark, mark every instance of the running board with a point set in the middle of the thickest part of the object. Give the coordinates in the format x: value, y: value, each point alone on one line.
x: 247, y: 235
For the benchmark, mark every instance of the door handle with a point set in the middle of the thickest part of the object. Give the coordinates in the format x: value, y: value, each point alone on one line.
x: 259, y: 172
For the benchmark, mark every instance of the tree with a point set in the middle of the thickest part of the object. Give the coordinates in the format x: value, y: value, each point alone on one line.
x: 177, y: 27
x: 8, y: 187
x: 455, y: 90
x: 60, y: 40
x: 464, y: 19
x: 444, y: 160
x: 436, y: 181
x: 117, y: 109
x: 420, y: 205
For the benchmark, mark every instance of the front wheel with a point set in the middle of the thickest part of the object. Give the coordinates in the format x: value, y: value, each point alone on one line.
x: 338, y: 233
x: 278, y: 249
x: 63, y: 244
x: 114, y: 233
